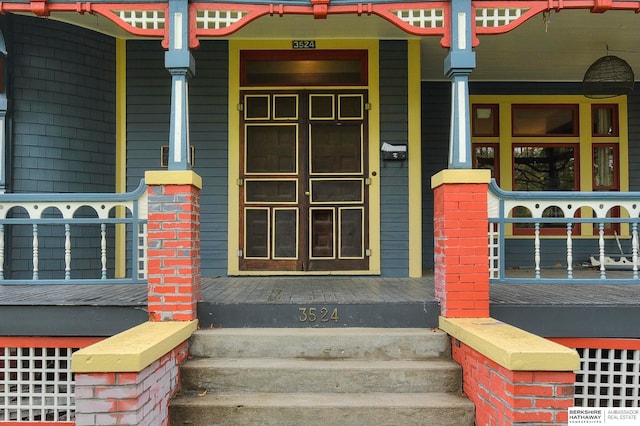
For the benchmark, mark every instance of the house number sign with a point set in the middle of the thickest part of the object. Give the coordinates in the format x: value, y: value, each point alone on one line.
x: 312, y: 315
x: 303, y: 44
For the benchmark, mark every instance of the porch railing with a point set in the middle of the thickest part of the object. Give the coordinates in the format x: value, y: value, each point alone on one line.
x: 61, y: 214
x: 578, y: 233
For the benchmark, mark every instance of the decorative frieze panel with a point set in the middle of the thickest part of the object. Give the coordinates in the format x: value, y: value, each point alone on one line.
x: 143, y: 19
x: 422, y: 18
x: 498, y: 17
x: 217, y: 19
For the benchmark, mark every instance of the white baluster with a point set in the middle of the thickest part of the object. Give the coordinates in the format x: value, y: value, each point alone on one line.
x: 35, y: 251
x: 634, y: 249
x: 1, y: 252
x: 569, y: 252
x: 603, y: 272
x: 67, y: 251
x: 103, y: 249
x: 536, y: 250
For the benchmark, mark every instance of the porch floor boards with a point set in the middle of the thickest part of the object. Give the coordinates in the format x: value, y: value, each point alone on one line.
x: 318, y: 289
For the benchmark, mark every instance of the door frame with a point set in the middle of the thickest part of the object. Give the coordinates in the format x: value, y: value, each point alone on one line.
x: 235, y: 46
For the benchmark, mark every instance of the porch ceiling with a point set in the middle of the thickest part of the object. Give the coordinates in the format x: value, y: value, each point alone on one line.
x: 561, y: 50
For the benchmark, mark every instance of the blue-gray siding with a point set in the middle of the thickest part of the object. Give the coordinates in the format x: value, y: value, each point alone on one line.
x: 394, y: 190
x: 61, y: 92
x: 148, y: 114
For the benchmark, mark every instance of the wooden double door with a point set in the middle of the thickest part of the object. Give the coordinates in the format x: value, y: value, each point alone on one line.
x: 304, y: 181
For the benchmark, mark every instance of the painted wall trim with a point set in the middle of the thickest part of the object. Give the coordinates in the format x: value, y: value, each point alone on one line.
x: 460, y: 176
x: 173, y: 177
x: 415, y: 160
x: 121, y: 153
x: 133, y: 349
x: 511, y: 347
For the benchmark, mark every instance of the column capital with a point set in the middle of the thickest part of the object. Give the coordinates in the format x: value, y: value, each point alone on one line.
x: 173, y: 177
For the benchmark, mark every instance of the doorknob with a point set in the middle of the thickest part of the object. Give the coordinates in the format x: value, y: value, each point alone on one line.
x: 307, y: 193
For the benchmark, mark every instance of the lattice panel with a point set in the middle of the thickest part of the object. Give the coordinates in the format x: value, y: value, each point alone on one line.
x: 143, y: 19
x: 36, y: 384
x: 217, y: 19
x: 422, y: 18
x: 608, y: 378
x: 497, y: 17
x: 494, y: 250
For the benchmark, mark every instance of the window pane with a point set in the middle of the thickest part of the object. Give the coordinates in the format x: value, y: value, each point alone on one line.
x: 603, y: 167
x: 544, y: 120
x: 485, y: 120
x: 605, y: 120
x: 544, y: 168
x: 486, y: 157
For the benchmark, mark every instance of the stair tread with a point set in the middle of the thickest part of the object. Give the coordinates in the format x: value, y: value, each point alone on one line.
x: 319, y: 400
x: 329, y: 331
x: 321, y: 363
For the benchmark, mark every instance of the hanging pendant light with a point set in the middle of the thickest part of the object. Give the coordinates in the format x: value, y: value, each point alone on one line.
x: 607, y: 77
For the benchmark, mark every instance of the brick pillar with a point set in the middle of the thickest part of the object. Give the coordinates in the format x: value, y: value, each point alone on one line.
x: 174, y: 270
x: 461, y: 255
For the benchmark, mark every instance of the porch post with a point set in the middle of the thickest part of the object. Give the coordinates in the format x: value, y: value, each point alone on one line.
x: 459, y: 63
x: 460, y: 218
x: 173, y: 240
x: 181, y: 65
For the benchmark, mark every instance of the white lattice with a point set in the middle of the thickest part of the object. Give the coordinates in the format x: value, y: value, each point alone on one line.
x: 143, y: 19
x: 494, y: 250
x: 216, y: 19
x: 422, y: 18
x: 497, y: 17
x: 608, y: 378
x: 36, y: 384
x: 142, y: 251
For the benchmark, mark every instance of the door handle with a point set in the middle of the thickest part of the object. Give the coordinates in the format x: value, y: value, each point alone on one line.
x: 307, y: 193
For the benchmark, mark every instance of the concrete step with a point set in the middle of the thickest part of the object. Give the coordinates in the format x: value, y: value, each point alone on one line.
x: 236, y: 375
x: 266, y: 409
x: 321, y: 343
x: 338, y: 376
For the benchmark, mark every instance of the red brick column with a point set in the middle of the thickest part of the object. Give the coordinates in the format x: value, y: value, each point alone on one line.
x: 173, y: 254
x: 461, y: 255
x: 505, y: 397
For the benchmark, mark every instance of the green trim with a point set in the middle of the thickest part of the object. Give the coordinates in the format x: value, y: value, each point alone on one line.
x: 511, y: 347
x: 132, y: 350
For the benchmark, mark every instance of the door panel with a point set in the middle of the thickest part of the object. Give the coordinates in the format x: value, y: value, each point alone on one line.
x: 303, y: 182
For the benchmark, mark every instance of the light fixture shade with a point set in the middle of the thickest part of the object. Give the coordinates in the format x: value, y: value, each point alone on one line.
x: 607, y: 77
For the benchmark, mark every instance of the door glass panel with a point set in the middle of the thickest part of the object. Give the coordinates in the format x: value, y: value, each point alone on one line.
x: 321, y: 107
x: 285, y: 242
x: 336, y: 148
x: 336, y: 190
x: 285, y: 107
x: 256, y: 107
x: 271, y: 149
x: 276, y: 191
x: 256, y: 231
x: 322, y: 230
x: 351, y: 242
x: 350, y: 107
